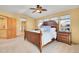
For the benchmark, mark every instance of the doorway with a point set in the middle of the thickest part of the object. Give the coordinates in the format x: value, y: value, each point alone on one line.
x: 23, y: 26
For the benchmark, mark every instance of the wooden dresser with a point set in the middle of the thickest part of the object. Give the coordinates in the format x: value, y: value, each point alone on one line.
x: 64, y: 37
x: 7, y: 27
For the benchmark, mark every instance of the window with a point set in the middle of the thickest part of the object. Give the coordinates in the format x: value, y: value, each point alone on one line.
x: 55, y: 19
x: 64, y: 23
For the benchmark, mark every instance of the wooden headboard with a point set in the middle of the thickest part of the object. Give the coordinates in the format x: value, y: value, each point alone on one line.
x: 51, y: 23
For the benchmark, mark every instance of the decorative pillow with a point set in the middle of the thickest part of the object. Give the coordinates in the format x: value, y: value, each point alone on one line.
x: 46, y: 28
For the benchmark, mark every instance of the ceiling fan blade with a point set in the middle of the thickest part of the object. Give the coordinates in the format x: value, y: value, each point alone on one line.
x: 33, y: 8
x: 44, y: 9
x: 34, y: 11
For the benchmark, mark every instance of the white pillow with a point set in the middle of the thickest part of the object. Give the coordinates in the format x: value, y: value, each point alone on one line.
x: 53, y: 29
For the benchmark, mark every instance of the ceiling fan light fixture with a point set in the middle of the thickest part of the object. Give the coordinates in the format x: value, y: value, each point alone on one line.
x: 38, y: 11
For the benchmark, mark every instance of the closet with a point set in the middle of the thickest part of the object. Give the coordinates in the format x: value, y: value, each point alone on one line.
x: 7, y: 27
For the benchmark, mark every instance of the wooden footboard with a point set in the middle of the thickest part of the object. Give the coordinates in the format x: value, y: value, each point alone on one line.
x: 34, y: 38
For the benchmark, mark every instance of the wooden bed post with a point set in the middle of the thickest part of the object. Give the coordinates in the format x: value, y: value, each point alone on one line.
x: 40, y: 42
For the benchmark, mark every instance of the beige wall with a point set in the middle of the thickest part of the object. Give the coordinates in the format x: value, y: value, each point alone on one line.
x: 75, y: 25
x: 74, y: 22
x: 30, y: 22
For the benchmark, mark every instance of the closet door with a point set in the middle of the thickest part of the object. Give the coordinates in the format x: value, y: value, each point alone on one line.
x: 13, y: 29
x: 11, y: 24
x: 3, y: 27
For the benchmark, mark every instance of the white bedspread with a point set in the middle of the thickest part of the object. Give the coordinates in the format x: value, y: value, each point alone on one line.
x: 47, y: 36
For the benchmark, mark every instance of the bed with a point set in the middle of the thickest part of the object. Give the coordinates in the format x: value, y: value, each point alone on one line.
x: 42, y: 37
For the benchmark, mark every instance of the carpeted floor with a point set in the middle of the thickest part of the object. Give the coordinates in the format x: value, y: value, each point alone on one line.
x: 19, y: 45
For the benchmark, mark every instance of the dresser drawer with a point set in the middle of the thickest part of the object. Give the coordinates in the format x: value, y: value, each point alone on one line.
x: 63, y: 37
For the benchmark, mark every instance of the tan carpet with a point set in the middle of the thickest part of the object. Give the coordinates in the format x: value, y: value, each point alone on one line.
x: 18, y: 45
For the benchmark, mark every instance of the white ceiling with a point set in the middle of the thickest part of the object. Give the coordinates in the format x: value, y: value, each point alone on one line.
x: 24, y: 9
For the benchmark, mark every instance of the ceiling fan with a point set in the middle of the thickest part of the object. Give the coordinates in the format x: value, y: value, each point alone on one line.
x: 38, y: 9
